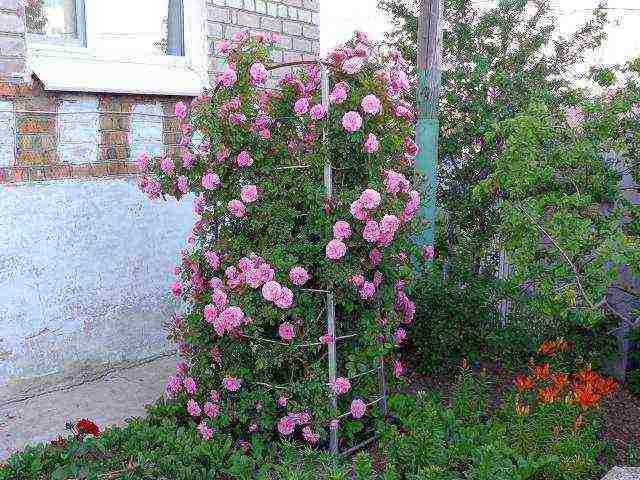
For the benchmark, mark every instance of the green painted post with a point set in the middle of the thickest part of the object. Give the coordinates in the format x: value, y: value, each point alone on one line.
x: 427, y: 129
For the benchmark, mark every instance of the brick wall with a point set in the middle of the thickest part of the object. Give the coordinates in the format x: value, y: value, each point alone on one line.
x: 85, y: 262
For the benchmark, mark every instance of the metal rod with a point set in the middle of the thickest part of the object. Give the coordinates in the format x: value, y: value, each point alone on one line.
x: 94, y: 112
x: 352, y: 450
x: 382, y: 377
x: 373, y: 402
x: 364, y: 373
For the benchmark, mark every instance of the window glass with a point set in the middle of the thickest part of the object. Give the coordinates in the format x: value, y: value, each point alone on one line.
x: 53, y: 18
x: 139, y: 26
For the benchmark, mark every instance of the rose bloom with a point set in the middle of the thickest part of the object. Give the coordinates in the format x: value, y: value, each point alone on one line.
x: 341, y: 230
x: 400, y: 335
x: 211, y: 410
x: 190, y: 385
x: 371, y: 232
x: 183, y: 184
x: 398, y: 369
x: 371, y: 105
x: 258, y: 73
x: 193, y: 408
x: 375, y: 256
x: 167, y: 166
x: 286, y: 331
x: 205, y: 431
x: 231, y: 383
x: 212, y: 259
x: 353, y: 65
x: 244, y: 159
x: 237, y: 208
x: 219, y: 298
x: 389, y: 224
x: 318, y: 111
x: 188, y: 160
x: 298, y: 276
x: 352, y: 121
x: 358, y: 408
x: 223, y: 47
x: 370, y: 198
x: 301, y: 106
x: 367, y: 291
x: 309, y: 435
x: 338, y: 94
x: 249, y: 193
x: 372, y: 144
x: 143, y: 161
x: 180, y: 110
x: 358, y: 211
x: 282, y: 401
x: 210, y: 180
x: 285, y: 299
x: 210, y: 313
x: 181, y: 369
x: 286, y: 425
x: 335, y: 250
x: 428, y: 252
x: 228, y: 78
x: 271, y: 291
x: 341, y: 385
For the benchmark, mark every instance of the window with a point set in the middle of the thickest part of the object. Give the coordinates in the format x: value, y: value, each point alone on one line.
x: 118, y: 34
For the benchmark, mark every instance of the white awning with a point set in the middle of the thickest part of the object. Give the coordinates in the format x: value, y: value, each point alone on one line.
x: 92, y: 75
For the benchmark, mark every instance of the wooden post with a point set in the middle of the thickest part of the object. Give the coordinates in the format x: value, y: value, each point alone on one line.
x: 429, y: 57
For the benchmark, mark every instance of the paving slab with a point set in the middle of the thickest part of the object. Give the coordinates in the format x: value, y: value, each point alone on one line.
x: 623, y: 473
x: 38, y: 411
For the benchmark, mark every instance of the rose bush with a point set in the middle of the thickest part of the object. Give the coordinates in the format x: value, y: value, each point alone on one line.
x: 270, y: 240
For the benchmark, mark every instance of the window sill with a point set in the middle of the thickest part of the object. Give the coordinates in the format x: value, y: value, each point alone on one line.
x: 70, y: 68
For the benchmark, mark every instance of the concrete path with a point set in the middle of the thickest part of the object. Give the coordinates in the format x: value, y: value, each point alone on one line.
x: 28, y: 414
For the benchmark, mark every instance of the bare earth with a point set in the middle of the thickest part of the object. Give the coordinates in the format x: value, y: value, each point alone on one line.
x: 107, y: 396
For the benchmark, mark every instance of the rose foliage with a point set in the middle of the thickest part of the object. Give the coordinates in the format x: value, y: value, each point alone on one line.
x: 270, y: 240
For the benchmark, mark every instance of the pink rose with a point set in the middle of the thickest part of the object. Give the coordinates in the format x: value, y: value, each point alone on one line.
x: 176, y: 289
x: 271, y: 291
x: 367, y: 291
x: 232, y: 383
x: 372, y: 144
x: 205, y: 432
x: 371, y: 232
x: 190, y: 385
x: 282, y: 401
x: 371, y: 105
x: 352, y: 121
x: 353, y: 65
x: 357, y: 280
x: 358, y: 211
x: 285, y: 299
x: 249, y: 193
x: 180, y: 110
x: 341, y: 230
x: 428, y: 252
x: 212, y: 259
x: 210, y: 180
x: 358, y: 408
x: 370, y: 198
x: 398, y: 369
x: 258, y: 73
x: 188, y: 160
x: 301, y: 107
x: 174, y: 385
x: 183, y: 184
x: 400, y: 335
x: 326, y: 339
x: 286, y: 425
x: 244, y: 159
x: 193, y: 408
x: 318, y: 111
x: 341, y: 385
x: 338, y: 94
x: 375, y: 256
x: 167, y: 166
x: 389, y: 224
x: 210, y: 313
x: 143, y: 161
x: 237, y: 208
x: 335, y: 250
x: 299, y: 276
x: 211, y: 410
x: 228, y: 78
x: 223, y: 47
x: 310, y: 436
x: 395, y: 182
x: 286, y: 332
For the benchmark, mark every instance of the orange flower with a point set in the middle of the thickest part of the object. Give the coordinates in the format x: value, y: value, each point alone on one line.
x: 523, y: 383
x: 548, y: 394
x: 578, y: 422
x: 605, y: 386
x: 542, y: 371
x: 586, y: 396
x: 522, y: 409
x: 560, y: 379
x: 547, y: 348
x: 586, y: 375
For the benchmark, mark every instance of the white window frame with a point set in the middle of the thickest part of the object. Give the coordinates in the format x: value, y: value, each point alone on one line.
x: 75, y: 61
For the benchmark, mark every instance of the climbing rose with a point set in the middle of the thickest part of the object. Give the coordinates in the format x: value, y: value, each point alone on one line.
x: 389, y: 224
x: 190, y: 385
x: 428, y: 252
x: 357, y: 280
x: 237, y: 208
x: 183, y: 184
x: 371, y: 232
x: 228, y: 78
x: 335, y: 250
x: 180, y: 110
x: 370, y: 199
x: 358, y: 408
x: 271, y: 291
x: 244, y: 159
x: 400, y: 335
x: 341, y: 230
x: 338, y: 94
x: 205, y: 431
x: 367, y: 291
x: 286, y: 331
x: 371, y: 105
x: 181, y: 369
x: 258, y: 73
x: 285, y: 299
x: 341, y: 385
x: 249, y: 193
x: 231, y: 383
x: 193, y: 408
x: 318, y: 111
x: 372, y: 144
x: 358, y: 211
x: 210, y: 180
x: 143, y: 161
x: 212, y: 259
x: 174, y: 385
x: 282, y: 401
x: 353, y: 65
x: 326, y: 339
x: 223, y: 47
x: 299, y: 276
x: 309, y: 435
x: 375, y: 256
x: 211, y: 410
x: 398, y: 369
x: 210, y: 313
x: 176, y: 289
x: 167, y: 166
x: 352, y: 121
x: 301, y: 107
x: 286, y: 425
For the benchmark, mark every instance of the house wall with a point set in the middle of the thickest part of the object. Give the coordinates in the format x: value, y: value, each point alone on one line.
x: 85, y: 258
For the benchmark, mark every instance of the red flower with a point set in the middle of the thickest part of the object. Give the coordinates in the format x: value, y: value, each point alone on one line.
x: 523, y: 383
x: 87, y: 427
x: 542, y: 371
